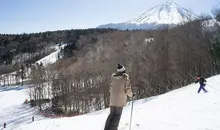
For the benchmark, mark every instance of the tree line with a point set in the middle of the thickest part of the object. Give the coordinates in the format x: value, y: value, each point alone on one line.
x: 29, y: 48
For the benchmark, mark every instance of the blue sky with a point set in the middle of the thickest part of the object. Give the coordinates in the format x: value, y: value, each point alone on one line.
x: 19, y: 16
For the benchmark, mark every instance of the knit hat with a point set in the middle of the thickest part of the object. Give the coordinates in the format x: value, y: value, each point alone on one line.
x: 120, y: 68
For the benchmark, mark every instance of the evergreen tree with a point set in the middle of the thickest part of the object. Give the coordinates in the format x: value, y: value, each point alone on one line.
x: 56, y: 107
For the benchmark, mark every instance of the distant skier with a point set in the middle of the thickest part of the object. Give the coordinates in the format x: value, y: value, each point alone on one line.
x: 202, y: 83
x: 32, y: 118
x: 120, y: 88
x: 4, y: 125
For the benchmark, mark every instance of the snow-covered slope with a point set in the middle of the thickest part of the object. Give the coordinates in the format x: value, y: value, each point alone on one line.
x: 168, y: 13
x: 12, y: 110
x: 53, y: 57
x: 10, y: 78
x: 181, y: 109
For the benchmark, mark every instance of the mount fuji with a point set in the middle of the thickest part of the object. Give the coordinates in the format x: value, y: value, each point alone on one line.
x: 164, y: 15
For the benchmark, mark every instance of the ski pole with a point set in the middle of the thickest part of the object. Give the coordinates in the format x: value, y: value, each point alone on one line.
x: 211, y: 86
x: 132, y: 102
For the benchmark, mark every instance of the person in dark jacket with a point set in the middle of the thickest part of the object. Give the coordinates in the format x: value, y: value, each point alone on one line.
x: 202, y: 83
x: 32, y: 118
x: 4, y: 125
x: 120, y: 88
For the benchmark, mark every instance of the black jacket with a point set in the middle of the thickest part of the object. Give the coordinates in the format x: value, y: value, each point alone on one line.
x: 201, y: 81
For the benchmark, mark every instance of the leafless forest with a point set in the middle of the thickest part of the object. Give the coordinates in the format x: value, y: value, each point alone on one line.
x: 157, y: 61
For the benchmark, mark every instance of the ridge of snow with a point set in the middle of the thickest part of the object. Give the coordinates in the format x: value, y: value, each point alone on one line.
x: 180, y: 109
x: 168, y: 13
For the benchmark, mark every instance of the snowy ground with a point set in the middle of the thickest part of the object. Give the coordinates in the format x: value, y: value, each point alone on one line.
x: 53, y: 57
x: 181, y: 109
x: 12, y: 109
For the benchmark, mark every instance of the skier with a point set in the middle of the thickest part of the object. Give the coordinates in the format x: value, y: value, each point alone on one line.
x: 120, y: 88
x: 32, y: 118
x: 4, y: 125
x: 202, y: 83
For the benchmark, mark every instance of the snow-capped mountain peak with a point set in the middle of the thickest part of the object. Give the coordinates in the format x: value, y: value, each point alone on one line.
x: 167, y: 13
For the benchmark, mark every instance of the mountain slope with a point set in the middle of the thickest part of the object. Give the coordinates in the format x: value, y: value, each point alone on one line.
x: 181, y: 109
x: 169, y: 13
x: 53, y: 57
x: 12, y: 110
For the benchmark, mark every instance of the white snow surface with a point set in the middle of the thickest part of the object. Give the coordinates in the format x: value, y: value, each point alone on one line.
x: 168, y: 13
x: 12, y: 109
x: 181, y: 109
x: 53, y: 57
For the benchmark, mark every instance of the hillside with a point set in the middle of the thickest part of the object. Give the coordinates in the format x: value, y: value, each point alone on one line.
x: 12, y: 109
x: 181, y: 109
x: 29, y: 48
x: 18, y: 53
x: 53, y: 57
x: 157, y: 62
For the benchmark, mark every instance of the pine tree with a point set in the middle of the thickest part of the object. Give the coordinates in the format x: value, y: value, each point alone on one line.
x: 56, y: 107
